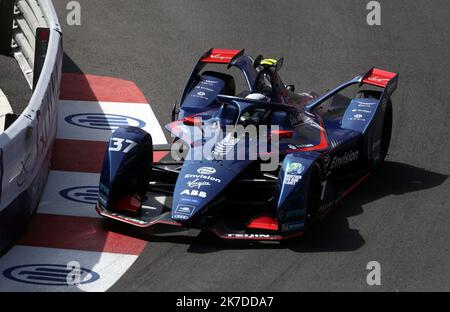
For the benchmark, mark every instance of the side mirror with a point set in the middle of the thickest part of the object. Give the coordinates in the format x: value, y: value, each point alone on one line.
x: 290, y: 88
x: 257, y: 61
x: 279, y: 65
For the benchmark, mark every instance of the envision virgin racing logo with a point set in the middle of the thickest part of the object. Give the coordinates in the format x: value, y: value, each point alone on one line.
x: 203, y: 177
x: 345, y: 159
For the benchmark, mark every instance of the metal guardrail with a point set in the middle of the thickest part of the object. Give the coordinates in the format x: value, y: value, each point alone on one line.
x: 25, y: 147
x: 28, y: 17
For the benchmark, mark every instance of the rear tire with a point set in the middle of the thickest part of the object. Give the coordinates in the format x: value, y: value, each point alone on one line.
x: 313, y: 197
x: 387, y: 132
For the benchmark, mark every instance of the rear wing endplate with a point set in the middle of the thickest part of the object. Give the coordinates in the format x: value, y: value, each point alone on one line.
x: 381, y: 78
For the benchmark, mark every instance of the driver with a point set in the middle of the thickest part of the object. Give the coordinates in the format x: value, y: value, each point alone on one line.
x: 257, y: 97
x: 253, y: 117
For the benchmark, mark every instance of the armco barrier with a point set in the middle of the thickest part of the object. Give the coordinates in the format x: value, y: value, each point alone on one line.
x: 25, y: 147
x: 28, y: 18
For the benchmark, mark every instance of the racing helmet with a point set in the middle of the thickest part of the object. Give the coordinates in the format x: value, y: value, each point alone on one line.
x: 257, y: 97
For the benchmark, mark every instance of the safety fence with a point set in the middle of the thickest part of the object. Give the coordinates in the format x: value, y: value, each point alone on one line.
x: 26, y: 145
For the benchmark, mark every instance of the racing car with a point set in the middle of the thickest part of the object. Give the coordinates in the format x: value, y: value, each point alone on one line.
x: 325, y: 146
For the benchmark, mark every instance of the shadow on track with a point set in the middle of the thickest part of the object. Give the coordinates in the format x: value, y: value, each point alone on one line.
x: 333, y: 234
x: 69, y: 66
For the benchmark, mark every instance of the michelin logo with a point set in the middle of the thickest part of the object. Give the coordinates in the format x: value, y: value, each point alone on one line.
x: 345, y: 159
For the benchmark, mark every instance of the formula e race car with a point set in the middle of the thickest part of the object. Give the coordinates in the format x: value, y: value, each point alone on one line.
x: 264, y: 163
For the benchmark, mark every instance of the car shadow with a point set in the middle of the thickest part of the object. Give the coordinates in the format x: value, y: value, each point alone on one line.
x: 331, y: 235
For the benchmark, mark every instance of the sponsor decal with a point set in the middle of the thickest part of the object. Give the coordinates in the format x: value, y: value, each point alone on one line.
x: 361, y: 111
x: 366, y: 104
x: 197, y: 183
x: 182, y: 217
x: 127, y: 218
x: 357, y: 117
x: 185, y: 210
x: 236, y: 235
x: 206, y: 170
x: 345, y: 159
x: 203, y: 177
x: 226, y: 145
x: 48, y: 274
x: 189, y: 200
x: 292, y: 226
x: 379, y: 79
x: 295, y: 168
x: 103, y: 121
x: 293, y: 173
x: 220, y: 57
x: 81, y: 194
x: 197, y: 193
x: 209, y: 82
x: 291, y: 179
x: 299, y: 146
x: 200, y: 94
x: 204, y: 88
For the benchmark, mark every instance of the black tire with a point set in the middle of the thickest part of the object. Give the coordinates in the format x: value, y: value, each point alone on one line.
x: 387, y: 132
x: 313, y: 197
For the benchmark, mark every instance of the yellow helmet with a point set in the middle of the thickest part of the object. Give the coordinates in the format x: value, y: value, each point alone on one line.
x: 269, y: 62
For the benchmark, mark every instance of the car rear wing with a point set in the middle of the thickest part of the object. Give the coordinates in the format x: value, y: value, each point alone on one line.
x: 212, y: 56
x: 221, y: 56
x: 375, y: 77
x: 381, y: 78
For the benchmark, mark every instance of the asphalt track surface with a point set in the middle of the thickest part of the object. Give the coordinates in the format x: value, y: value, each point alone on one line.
x: 399, y: 217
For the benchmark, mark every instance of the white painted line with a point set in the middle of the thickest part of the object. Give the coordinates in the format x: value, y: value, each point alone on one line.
x: 41, y: 263
x: 95, y: 121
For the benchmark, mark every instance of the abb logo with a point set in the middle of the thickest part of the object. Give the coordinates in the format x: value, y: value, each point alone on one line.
x: 196, y: 193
